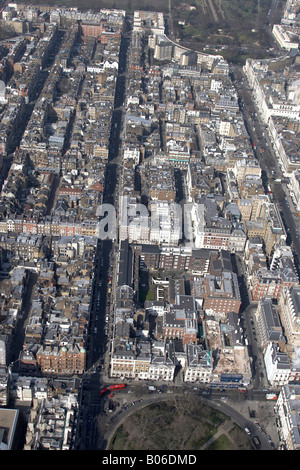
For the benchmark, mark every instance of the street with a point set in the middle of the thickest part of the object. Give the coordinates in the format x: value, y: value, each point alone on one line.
x: 268, y: 161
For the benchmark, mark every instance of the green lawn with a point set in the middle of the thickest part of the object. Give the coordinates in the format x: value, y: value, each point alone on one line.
x: 221, y: 443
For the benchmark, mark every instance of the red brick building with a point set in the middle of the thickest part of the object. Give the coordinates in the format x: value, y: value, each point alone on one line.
x: 181, y: 324
x: 267, y: 283
x: 219, y: 293
x: 61, y: 360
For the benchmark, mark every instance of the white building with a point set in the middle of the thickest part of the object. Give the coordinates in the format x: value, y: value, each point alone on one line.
x: 148, y: 21
x: 289, y: 302
x: 277, y: 365
x: 294, y: 186
x: 8, y: 12
x: 283, y: 251
x: 132, y: 153
x: 2, y: 353
x: 198, y: 364
x: 283, y: 37
x: 165, y: 225
x: 133, y: 221
x: 288, y: 411
x: 147, y: 362
x: 237, y: 240
x: 162, y: 366
x: 268, y: 102
x: 155, y: 307
x: 205, y: 228
x: 27, y: 388
x: 3, y: 98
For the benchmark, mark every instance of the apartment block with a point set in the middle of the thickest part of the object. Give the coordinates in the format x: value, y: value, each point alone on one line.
x: 287, y: 409
x: 277, y: 364
x: 268, y: 318
x: 220, y: 294
x: 61, y: 360
x: 289, y: 303
x: 199, y: 364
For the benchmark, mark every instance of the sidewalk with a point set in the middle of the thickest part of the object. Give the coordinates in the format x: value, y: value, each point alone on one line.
x: 264, y: 415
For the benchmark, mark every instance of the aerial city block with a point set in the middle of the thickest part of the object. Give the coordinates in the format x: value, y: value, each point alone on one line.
x: 149, y: 231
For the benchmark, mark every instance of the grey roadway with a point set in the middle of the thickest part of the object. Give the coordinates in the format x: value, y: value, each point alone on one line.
x: 268, y: 160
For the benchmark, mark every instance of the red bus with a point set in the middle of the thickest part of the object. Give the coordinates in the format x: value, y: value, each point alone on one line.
x: 110, y: 388
x: 117, y: 387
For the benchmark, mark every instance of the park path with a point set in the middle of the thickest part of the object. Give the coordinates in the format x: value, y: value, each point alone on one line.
x: 224, y: 428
